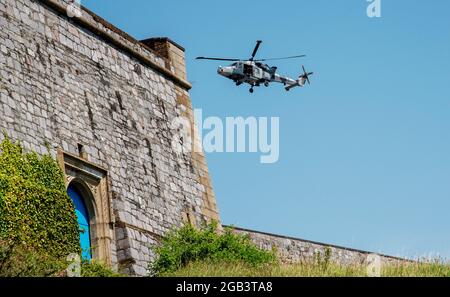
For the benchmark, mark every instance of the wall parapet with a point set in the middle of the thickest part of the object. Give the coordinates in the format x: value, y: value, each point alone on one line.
x: 294, y: 250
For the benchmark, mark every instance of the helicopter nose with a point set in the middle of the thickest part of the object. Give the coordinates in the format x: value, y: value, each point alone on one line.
x: 224, y: 71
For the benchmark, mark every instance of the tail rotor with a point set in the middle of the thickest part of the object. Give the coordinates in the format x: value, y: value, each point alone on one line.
x: 306, y: 75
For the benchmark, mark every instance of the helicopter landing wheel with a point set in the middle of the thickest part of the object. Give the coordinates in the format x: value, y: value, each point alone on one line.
x: 251, y: 90
x: 266, y: 84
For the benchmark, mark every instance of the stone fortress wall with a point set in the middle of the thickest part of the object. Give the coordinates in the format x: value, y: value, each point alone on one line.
x: 294, y: 250
x: 104, y: 103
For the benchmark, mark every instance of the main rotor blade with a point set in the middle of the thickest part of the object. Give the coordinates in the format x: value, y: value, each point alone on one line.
x: 216, y: 59
x: 258, y: 43
x: 283, y: 58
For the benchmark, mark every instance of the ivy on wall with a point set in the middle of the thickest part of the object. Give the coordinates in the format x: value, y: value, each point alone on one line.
x: 35, y: 210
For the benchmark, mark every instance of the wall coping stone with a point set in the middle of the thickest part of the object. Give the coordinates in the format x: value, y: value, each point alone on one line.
x: 119, y: 38
x: 313, y: 242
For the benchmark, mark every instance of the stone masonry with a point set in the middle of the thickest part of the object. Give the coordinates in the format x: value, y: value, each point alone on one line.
x: 104, y: 104
x: 104, y: 100
x: 294, y: 250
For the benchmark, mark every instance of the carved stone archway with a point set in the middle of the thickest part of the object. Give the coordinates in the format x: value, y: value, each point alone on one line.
x: 92, y: 182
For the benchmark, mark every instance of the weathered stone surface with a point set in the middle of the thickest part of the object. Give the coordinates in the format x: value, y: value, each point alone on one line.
x: 62, y: 84
x: 294, y: 250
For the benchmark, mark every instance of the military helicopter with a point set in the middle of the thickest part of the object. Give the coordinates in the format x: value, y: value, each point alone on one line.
x: 255, y: 72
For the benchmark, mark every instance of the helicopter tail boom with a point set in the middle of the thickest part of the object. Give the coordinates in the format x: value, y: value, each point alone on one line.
x: 301, y: 81
x: 298, y: 84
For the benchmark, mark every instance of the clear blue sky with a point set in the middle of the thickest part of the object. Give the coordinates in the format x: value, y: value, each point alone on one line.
x: 364, y: 152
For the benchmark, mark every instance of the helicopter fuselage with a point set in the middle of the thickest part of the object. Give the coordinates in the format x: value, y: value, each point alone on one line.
x: 256, y: 74
x: 246, y: 72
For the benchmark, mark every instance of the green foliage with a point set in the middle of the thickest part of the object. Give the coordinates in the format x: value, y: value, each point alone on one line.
x: 187, y: 244
x: 97, y: 269
x: 307, y: 269
x: 426, y: 268
x: 35, y: 210
x: 23, y: 261
x: 323, y: 261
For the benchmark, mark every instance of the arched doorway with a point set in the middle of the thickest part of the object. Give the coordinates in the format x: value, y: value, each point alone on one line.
x: 83, y: 221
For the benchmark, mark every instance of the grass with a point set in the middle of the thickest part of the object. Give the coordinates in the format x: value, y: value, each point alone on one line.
x: 221, y: 269
x: 205, y: 252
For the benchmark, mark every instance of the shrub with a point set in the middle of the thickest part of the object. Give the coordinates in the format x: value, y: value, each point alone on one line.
x: 35, y: 210
x: 23, y: 261
x: 38, y: 224
x: 97, y: 269
x: 187, y: 244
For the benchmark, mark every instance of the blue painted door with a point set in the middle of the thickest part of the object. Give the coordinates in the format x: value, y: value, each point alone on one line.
x: 83, y: 221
